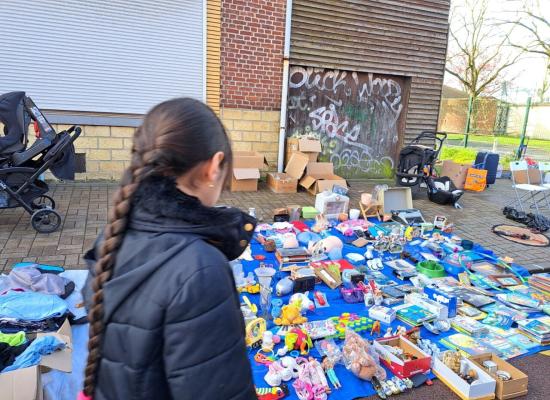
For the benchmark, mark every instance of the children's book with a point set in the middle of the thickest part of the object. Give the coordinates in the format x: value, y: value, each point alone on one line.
x: 500, y: 308
x: 469, y: 326
x: 466, y: 344
x: 505, y: 349
x: 413, y: 314
x: 502, y: 321
x: 522, y: 341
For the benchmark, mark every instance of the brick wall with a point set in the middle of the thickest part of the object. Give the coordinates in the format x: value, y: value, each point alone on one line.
x: 252, y: 53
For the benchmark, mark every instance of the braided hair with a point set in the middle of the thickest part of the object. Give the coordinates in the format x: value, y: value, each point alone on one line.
x: 176, y: 136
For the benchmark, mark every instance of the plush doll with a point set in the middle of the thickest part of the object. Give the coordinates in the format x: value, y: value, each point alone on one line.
x: 358, y: 360
x: 307, y: 304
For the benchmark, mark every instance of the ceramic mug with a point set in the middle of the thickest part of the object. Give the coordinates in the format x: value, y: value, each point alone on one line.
x: 354, y: 214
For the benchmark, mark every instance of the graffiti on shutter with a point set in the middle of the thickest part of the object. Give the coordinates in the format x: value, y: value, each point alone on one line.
x: 358, y: 117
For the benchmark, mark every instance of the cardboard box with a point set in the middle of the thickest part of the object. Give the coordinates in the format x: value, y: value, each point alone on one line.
x: 280, y: 182
x: 521, y: 177
x: 515, y: 387
x: 395, y: 198
x: 246, y: 171
x: 403, y: 369
x: 26, y: 383
x: 456, y: 172
x: 320, y: 177
x: 482, y: 388
x: 310, y: 147
x: 297, y: 164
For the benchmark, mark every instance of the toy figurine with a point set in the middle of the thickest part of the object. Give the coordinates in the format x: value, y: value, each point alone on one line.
x: 328, y: 366
x: 298, y: 339
x: 378, y: 298
x: 291, y: 314
x: 375, y: 328
x: 311, y: 382
x: 401, y: 331
x: 321, y: 224
x: 452, y: 360
x: 388, y: 333
x: 272, y: 393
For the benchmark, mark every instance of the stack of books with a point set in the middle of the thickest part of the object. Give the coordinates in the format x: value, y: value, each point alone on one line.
x: 540, y: 282
x: 469, y: 326
x: 536, y: 329
x: 413, y: 314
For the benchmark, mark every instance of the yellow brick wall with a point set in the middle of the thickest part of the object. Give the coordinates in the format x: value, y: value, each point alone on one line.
x: 252, y: 130
x: 107, y: 148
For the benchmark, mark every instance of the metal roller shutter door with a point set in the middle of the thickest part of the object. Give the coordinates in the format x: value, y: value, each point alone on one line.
x: 106, y: 56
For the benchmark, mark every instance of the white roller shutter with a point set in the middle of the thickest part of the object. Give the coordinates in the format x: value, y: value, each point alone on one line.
x: 110, y: 56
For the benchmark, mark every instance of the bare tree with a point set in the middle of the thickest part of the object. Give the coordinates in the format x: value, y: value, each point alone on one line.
x: 531, y: 20
x: 479, y: 50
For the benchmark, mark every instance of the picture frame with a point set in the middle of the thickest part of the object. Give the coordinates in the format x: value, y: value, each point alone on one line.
x: 506, y: 280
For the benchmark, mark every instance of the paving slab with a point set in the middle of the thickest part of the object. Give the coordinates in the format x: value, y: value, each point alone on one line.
x: 84, y: 208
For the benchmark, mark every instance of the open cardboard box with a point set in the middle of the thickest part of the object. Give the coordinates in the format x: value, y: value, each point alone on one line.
x: 280, y: 182
x: 515, y: 387
x: 456, y: 172
x: 246, y: 170
x: 401, y: 368
x: 310, y: 147
x: 26, y: 383
x: 395, y: 198
x: 320, y: 177
x: 287, y: 182
x: 481, y: 389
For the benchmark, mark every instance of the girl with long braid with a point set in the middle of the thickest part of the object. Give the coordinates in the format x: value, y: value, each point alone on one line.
x: 165, y: 319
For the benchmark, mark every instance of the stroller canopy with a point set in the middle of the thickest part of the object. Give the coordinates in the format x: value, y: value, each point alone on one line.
x: 12, y: 116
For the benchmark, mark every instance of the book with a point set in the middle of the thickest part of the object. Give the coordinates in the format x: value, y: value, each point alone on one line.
x: 467, y: 345
x: 537, y: 329
x: 469, y: 326
x: 504, y: 348
x: 413, y: 314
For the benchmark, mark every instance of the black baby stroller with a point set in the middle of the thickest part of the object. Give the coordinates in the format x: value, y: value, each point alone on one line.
x: 22, y: 167
x: 416, y: 168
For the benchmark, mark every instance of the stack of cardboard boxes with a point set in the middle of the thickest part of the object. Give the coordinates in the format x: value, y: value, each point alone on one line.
x: 301, y: 167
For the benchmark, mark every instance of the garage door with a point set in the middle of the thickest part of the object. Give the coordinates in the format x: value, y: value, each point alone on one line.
x: 106, y: 56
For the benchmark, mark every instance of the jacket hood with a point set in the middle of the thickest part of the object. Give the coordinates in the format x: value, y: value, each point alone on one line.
x: 159, y: 206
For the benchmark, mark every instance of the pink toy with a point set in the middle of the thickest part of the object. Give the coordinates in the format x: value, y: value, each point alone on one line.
x: 312, y: 383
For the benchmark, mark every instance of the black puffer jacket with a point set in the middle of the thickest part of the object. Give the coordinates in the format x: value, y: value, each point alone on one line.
x: 174, y: 329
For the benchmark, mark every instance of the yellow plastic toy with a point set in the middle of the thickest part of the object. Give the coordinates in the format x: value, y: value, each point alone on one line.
x: 254, y: 331
x: 291, y: 315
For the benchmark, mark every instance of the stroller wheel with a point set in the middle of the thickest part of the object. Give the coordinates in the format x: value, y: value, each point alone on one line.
x: 43, y: 201
x: 46, y: 220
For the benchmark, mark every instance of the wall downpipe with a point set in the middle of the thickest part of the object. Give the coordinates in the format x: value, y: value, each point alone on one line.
x: 284, y: 91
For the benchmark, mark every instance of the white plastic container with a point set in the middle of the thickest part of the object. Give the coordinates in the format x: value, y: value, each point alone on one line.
x: 331, y: 204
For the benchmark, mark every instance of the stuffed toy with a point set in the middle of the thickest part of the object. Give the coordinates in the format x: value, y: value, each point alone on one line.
x: 331, y: 246
x: 307, y: 304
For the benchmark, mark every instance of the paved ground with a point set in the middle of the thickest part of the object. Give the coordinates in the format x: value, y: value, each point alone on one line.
x: 84, y: 208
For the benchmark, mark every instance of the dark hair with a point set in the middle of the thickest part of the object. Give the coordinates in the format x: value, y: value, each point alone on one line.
x: 176, y: 136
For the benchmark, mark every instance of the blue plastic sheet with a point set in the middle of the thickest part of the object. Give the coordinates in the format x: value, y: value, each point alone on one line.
x: 351, y: 386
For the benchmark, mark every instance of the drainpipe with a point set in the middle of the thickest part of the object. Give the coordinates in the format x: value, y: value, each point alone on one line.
x: 284, y: 92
